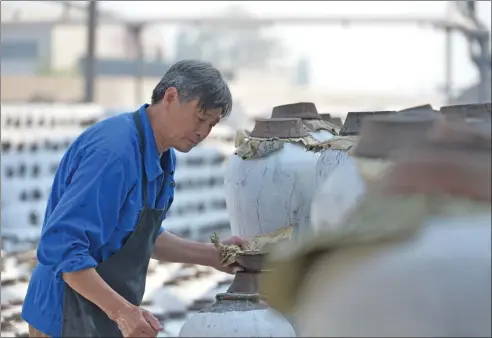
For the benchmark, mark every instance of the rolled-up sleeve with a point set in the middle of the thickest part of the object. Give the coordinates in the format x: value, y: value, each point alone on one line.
x: 86, y: 214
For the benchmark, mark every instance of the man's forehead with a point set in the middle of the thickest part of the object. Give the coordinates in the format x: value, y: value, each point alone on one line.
x: 213, y: 114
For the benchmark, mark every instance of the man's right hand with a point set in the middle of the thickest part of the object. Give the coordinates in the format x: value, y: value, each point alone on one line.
x: 136, y: 322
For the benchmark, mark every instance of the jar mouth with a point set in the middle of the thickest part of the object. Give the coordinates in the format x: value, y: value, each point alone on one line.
x: 233, y: 296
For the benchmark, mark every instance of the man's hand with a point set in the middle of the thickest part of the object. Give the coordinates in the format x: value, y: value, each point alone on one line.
x: 136, y: 322
x: 216, y: 256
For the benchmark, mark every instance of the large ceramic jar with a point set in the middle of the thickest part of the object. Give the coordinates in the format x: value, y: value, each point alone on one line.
x: 416, y: 261
x: 380, y: 136
x: 240, y: 312
x: 318, y: 128
x: 335, y: 152
x: 269, y: 181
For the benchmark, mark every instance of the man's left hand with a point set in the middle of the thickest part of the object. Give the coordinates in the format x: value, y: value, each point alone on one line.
x: 217, y: 258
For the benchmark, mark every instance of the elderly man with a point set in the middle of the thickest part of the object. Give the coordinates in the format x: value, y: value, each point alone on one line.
x: 109, y: 197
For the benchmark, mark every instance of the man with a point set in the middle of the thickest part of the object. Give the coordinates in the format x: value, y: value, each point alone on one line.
x: 103, y: 220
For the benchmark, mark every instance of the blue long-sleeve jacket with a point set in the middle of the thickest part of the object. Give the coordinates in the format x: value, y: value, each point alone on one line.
x: 94, y: 205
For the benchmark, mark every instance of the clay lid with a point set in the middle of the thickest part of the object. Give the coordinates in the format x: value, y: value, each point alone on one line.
x: 329, y: 118
x: 425, y: 109
x: 380, y: 136
x: 279, y: 127
x: 337, y: 121
x: 480, y: 111
x: 454, y: 160
x: 301, y: 110
x: 353, y: 121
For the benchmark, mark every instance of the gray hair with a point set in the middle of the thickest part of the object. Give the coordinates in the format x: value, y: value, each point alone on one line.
x: 193, y: 80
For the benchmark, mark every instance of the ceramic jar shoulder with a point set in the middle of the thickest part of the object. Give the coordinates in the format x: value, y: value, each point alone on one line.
x: 270, y: 192
x: 425, y: 286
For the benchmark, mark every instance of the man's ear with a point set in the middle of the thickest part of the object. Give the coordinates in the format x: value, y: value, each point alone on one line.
x: 171, y: 95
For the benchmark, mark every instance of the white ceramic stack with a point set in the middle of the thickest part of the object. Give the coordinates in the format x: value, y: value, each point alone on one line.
x: 34, y: 138
x: 199, y: 207
x: 268, y: 192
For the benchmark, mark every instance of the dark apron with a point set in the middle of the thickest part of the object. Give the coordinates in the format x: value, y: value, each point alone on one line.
x: 125, y: 271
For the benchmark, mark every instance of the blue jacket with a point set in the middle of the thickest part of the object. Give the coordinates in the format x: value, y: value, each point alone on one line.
x: 93, y: 207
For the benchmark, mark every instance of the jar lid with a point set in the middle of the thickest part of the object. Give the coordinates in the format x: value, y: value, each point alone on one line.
x: 425, y: 109
x: 353, y: 121
x: 455, y: 160
x: 337, y: 121
x: 301, y: 110
x: 279, y: 127
x: 381, y: 135
x: 482, y: 111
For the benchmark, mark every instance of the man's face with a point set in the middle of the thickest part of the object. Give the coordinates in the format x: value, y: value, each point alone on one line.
x: 190, y: 124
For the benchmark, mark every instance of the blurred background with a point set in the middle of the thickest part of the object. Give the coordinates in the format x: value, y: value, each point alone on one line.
x: 67, y: 64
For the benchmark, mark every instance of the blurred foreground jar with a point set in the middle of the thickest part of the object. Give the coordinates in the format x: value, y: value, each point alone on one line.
x: 342, y: 178
x: 412, y: 261
x: 269, y: 181
x: 319, y: 128
x: 240, y: 312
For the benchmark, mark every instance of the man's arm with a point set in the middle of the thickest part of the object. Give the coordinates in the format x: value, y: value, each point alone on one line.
x: 84, y: 218
x: 171, y: 248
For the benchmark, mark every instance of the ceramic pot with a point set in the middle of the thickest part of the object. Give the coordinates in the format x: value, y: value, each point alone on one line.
x: 268, y: 192
x: 240, y: 312
x: 347, y: 178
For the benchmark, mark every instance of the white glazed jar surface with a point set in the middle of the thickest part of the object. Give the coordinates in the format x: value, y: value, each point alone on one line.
x: 256, y: 323
x: 435, y: 284
x: 270, y: 192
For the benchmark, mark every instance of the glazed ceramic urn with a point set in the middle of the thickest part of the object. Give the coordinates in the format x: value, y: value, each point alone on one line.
x: 416, y: 260
x: 269, y: 181
x: 319, y: 128
x: 380, y: 136
x: 335, y: 152
x: 241, y: 311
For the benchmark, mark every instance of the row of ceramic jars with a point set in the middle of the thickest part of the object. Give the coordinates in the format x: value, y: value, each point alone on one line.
x: 414, y: 259
x: 278, y: 168
x: 49, y: 116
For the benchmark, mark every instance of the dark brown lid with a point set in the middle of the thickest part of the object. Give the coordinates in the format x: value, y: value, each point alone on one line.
x: 301, y: 110
x: 425, y: 109
x: 417, y: 108
x: 480, y: 111
x: 455, y: 160
x: 279, y: 127
x: 337, y: 121
x: 380, y: 136
x: 353, y: 121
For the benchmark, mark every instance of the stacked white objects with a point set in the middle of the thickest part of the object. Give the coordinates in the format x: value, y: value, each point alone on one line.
x: 34, y: 139
x: 199, y: 207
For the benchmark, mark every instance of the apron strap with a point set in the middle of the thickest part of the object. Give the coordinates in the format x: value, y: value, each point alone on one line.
x: 138, y: 123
